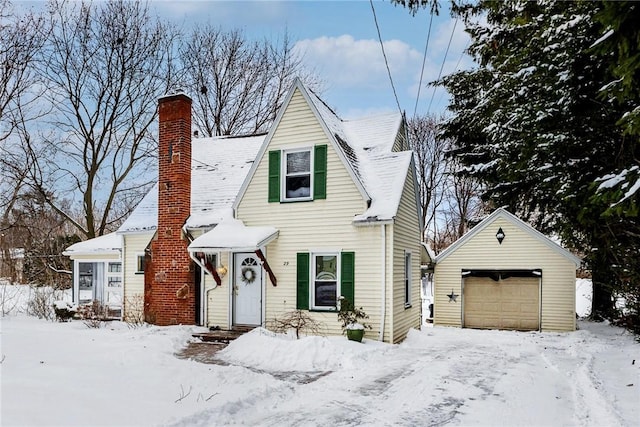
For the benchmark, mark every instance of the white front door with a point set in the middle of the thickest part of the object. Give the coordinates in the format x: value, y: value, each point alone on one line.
x: 247, y: 289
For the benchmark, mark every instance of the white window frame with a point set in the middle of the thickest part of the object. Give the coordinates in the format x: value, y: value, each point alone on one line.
x: 283, y: 174
x: 312, y: 279
x: 117, y: 275
x: 138, y: 256
x: 407, y: 279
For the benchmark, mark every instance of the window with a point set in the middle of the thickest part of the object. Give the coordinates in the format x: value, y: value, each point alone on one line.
x: 140, y: 265
x: 325, y: 281
x: 297, y: 175
x: 115, y: 267
x: 407, y: 279
x: 322, y: 277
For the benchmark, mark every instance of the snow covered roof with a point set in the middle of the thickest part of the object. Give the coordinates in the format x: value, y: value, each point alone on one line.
x: 367, y: 146
x: 219, y: 166
x: 145, y: 216
x: 503, y: 213
x: 232, y: 235
x: 108, y: 244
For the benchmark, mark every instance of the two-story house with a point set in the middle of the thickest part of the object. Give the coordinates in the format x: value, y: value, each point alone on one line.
x: 324, y: 208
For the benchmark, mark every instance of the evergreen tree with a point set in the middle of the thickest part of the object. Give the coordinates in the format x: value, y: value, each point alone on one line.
x: 534, y: 122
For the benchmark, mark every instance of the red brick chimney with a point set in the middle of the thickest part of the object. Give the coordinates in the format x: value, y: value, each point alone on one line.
x: 169, y: 281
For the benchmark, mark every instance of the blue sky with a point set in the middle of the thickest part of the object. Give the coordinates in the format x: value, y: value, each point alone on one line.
x: 340, y: 42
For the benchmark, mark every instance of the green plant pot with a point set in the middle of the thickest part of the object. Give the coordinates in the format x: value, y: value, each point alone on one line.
x: 355, y: 334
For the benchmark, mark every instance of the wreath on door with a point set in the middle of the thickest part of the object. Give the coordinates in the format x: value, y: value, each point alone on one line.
x: 248, y: 275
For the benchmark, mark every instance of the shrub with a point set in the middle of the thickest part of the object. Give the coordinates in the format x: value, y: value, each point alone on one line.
x: 64, y: 311
x: 296, y: 320
x: 349, y: 315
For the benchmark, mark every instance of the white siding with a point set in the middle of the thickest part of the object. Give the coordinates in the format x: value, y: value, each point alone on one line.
x: 134, y: 245
x: 519, y: 250
x: 218, y: 297
x: 316, y: 225
x: 406, y: 238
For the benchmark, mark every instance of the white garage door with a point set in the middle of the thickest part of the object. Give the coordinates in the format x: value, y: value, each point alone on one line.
x: 511, y: 303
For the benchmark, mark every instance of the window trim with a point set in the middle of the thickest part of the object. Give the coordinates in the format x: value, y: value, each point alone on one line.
x: 407, y: 279
x: 283, y: 174
x: 312, y: 279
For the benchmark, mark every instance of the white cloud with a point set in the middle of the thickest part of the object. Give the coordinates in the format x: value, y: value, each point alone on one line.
x: 345, y: 61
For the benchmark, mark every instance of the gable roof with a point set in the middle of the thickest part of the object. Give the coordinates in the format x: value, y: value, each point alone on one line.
x: 365, y: 148
x: 503, y: 213
x: 219, y: 166
x: 102, y: 245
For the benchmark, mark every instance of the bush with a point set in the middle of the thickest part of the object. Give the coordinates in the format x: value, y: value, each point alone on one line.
x: 64, y: 311
x: 134, y: 311
x: 9, y: 298
x: 296, y: 320
x: 349, y: 315
x: 94, y: 314
x: 40, y: 302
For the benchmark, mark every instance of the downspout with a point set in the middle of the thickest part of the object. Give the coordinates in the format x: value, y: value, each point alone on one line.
x: 383, y: 281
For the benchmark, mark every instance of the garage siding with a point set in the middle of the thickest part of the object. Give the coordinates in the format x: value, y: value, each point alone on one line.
x: 519, y: 250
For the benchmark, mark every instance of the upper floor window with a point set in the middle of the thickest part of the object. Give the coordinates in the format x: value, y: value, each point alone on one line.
x: 297, y: 177
x: 298, y: 174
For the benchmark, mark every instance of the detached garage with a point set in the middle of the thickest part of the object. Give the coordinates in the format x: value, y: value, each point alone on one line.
x: 503, y: 274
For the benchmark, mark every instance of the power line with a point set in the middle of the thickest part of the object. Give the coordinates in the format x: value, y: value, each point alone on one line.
x: 424, y: 60
x: 442, y: 66
x: 456, y: 69
x: 386, y: 62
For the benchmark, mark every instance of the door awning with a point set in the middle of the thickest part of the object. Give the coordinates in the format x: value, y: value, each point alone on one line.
x: 231, y: 235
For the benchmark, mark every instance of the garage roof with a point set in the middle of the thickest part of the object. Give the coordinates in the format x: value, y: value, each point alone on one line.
x: 503, y: 213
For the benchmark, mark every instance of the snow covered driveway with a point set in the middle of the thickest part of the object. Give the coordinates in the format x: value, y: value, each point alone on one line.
x: 438, y: 376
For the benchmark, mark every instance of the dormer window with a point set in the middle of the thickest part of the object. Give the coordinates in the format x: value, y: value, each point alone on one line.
x: 297, y: 177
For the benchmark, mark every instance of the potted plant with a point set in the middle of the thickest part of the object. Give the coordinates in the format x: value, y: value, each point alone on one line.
x: 352, y: 319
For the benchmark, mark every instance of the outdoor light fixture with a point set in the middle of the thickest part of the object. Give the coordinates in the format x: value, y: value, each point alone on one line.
x: 222, y: 271
x: 500, y: 235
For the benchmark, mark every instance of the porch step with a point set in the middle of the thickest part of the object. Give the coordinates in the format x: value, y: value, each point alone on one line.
x: 223, y: 336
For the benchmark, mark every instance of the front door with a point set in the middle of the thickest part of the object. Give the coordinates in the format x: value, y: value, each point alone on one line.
x: 247, y: 290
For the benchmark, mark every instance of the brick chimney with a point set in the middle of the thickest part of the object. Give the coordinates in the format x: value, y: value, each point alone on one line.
x: 169, y: 280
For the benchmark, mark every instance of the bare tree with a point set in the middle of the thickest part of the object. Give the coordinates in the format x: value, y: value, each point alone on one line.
x: 239, y: 85
x: 429, y: 151
x: 461, y: 207
x: 21, y: 38
x: 105, y: 64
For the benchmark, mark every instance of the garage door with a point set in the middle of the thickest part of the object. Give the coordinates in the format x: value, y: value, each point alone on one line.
x: 511, y: 303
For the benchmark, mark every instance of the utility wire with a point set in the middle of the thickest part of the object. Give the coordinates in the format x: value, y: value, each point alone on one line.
x: 386, y: 62
x: 455, y: 69
x: 424, y: 60
x: 442, y: 66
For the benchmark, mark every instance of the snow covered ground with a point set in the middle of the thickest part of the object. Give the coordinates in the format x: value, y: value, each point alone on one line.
x: 65, y: 374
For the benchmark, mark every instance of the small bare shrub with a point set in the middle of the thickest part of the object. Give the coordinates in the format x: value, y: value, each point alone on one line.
x: 94, y: 314
x: 134, y: 311
x: 9, y: 298
x: 296, y: 320
x: 40, y: 302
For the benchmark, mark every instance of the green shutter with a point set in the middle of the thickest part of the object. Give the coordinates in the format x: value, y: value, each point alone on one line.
x: 274, y: 176
x: 347, y: 275
x: 302, y: 278
x: 320, y: 172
